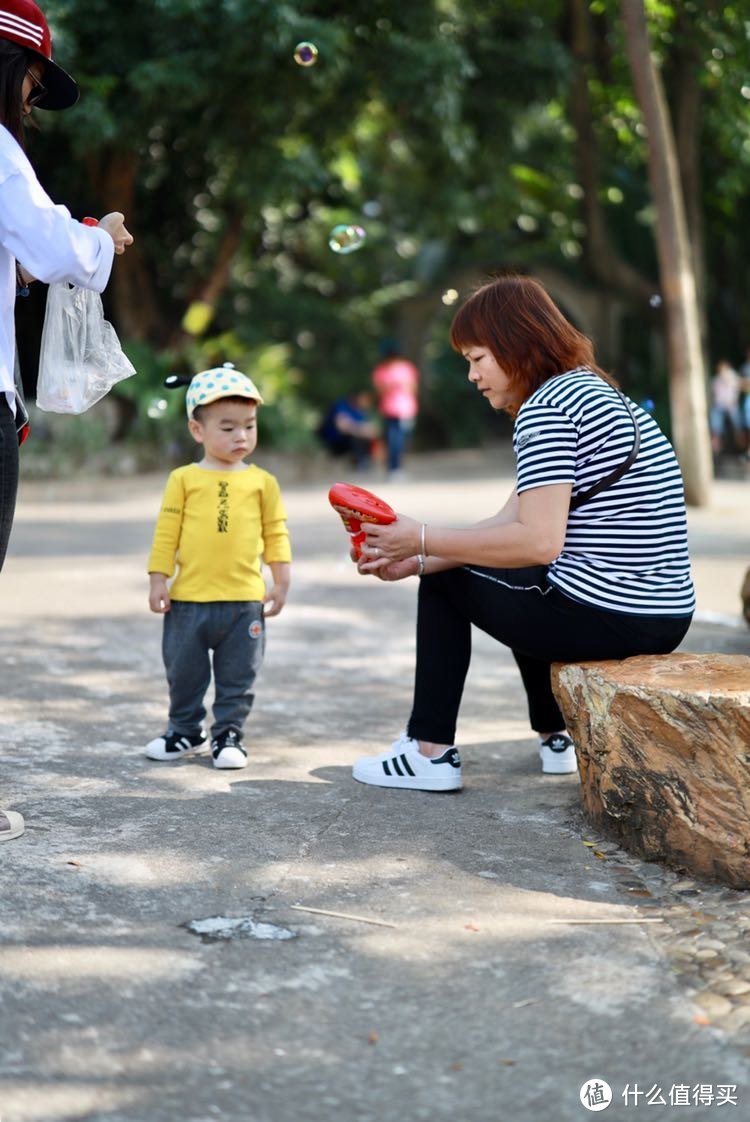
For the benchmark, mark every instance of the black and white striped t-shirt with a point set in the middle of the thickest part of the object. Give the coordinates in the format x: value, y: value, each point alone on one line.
x: 626, y: 548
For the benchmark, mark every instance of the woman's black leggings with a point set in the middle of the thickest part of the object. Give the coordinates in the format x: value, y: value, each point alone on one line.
x: 8, y: 473
x: 519, y: 608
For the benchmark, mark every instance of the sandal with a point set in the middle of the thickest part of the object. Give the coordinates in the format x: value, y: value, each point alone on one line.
x: 11, y: 825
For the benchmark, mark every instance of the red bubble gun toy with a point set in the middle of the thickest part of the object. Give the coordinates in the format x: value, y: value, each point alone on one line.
x: 355, y: 505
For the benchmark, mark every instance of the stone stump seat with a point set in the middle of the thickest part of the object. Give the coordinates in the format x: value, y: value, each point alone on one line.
x: 663, y: 747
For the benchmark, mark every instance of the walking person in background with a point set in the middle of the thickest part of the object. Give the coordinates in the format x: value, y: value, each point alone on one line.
x: 396, y: 382
x: 586, y: 560
x: 745, y: 399
x: 725, y: 412
x: 38, y: 240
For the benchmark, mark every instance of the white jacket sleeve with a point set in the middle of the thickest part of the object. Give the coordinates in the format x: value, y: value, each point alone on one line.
x: 46, y: 240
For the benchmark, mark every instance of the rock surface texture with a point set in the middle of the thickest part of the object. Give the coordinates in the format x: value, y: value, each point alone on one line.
x: 663, y: 748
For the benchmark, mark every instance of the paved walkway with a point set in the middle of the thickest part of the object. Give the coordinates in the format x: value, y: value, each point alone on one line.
x: 469, y: 983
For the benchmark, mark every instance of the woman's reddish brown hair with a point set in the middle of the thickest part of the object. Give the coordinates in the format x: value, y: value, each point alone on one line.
x: 526, y: 333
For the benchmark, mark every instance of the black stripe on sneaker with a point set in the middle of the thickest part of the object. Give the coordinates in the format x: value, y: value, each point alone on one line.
x: 179, y: 746
x: 407, y: 765
x: 386, y: 769
x: 396, y: 768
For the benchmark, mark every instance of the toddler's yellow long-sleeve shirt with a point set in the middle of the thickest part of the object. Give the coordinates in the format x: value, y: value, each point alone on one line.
x: 213, y: 527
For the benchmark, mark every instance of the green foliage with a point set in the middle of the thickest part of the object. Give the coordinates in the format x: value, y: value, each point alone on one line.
x: 397, y: 113
x: 441, y: 127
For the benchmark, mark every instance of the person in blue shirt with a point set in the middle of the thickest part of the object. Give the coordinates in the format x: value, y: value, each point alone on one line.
x: 348, y: 429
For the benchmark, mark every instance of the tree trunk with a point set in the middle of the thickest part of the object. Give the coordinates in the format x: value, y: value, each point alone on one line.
x: 686, y: 99
x: 687, y: 390
x: 208, y: 290
x: 601, y: 258
x: 132, y: 290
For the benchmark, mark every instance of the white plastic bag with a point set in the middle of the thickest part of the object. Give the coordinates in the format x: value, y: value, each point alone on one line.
x: 81, y: 358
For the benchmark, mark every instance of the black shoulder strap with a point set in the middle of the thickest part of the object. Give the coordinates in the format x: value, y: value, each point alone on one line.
x: 619, y: 471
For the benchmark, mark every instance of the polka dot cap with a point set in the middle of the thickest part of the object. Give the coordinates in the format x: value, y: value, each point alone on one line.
x: 221, y: 381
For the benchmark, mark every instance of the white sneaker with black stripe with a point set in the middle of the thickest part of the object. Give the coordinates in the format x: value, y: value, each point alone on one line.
x: 173, y: 745
x: 227, y: 749
x: 403, y: 765
x: 558, y: 754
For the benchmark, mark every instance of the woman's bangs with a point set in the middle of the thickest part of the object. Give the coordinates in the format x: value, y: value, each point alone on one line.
x: 468, y: 329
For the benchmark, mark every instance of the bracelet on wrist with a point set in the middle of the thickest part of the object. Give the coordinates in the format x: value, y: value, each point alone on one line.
x: 422, y: 536
x: 420, y: 564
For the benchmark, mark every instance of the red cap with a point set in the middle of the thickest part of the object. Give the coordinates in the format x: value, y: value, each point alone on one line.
x: 22, y: 22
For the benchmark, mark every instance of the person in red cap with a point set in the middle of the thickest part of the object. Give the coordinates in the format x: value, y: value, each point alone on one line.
x: 38, y: 240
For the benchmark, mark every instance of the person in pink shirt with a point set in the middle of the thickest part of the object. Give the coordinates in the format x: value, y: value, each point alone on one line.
x: 396, y: 382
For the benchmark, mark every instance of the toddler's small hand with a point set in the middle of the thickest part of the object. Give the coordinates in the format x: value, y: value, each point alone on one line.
x: 158, y: 596
x: 274, y: 601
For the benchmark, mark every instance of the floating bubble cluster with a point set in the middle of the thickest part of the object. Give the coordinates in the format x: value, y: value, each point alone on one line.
x: 157, y: 408
x: 346, y: 239
x: 305, y: 54
x: 449, y: 297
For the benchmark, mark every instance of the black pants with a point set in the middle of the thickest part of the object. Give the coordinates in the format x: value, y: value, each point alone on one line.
x: 8, y: 473
x: 519, y: 608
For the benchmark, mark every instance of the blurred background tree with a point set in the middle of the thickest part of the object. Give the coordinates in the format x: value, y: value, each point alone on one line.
x: 464, y: 136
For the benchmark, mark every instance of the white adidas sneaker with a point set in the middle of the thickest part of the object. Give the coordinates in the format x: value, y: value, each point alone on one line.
x: 558, y: 753
x: 174, y: 745
x: 403, y: 765
x: 227, y: 749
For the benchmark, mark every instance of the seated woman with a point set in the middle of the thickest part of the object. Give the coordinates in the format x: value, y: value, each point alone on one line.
x: 588, y: 558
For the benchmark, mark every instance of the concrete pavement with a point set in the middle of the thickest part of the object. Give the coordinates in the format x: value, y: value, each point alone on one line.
x: 473, y: 997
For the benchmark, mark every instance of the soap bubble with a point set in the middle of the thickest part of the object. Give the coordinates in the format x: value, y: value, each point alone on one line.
x: 449, y: 296
x: 306, y: 54
x: 655, y: 300
x: 157, y: 408
x: 648, y: 405
x: 346, y: 239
